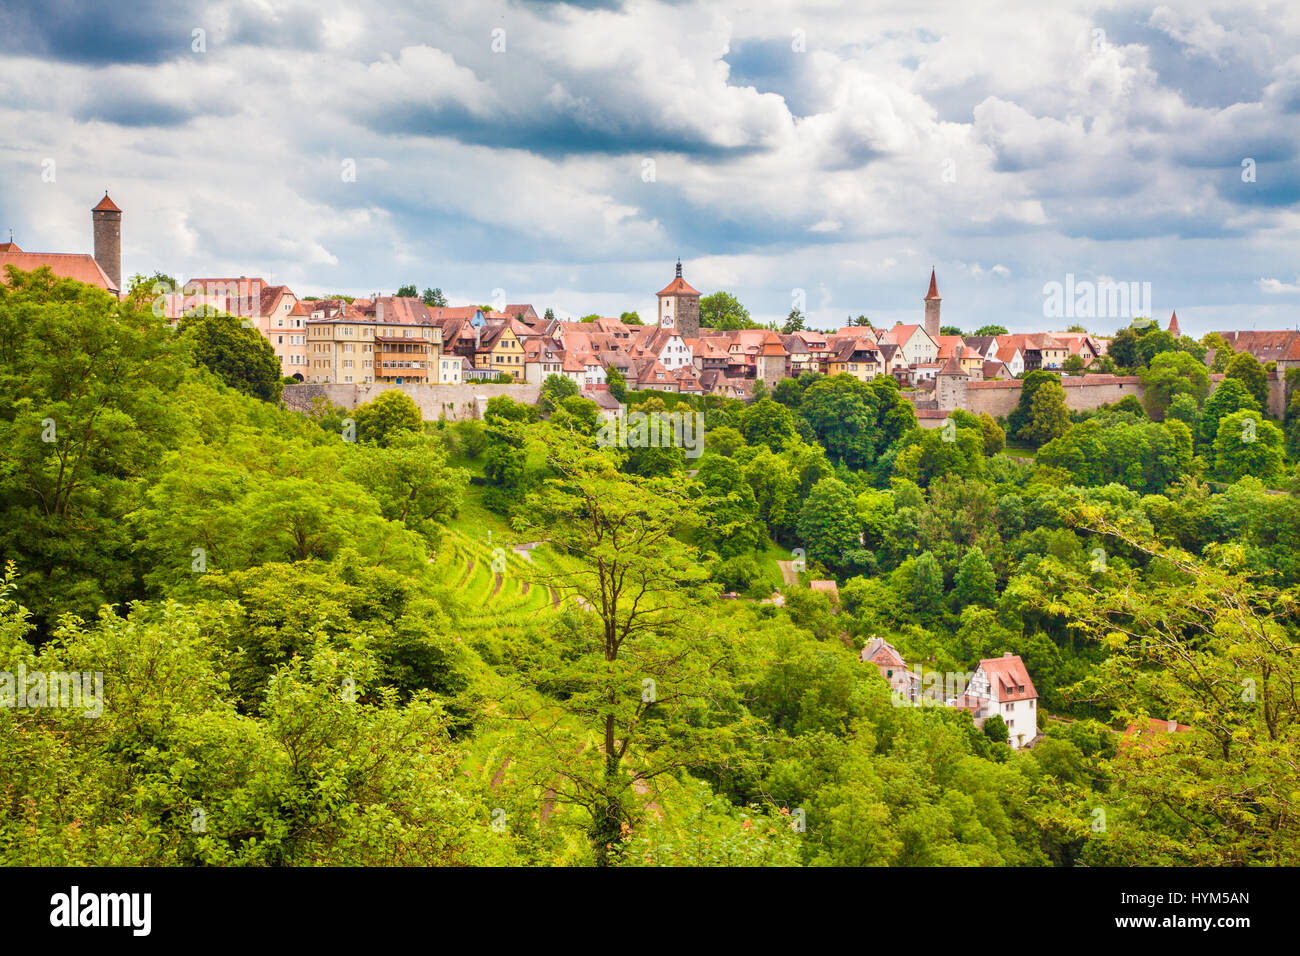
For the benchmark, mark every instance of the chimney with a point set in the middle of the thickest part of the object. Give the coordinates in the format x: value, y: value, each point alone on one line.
x: 379, y: 310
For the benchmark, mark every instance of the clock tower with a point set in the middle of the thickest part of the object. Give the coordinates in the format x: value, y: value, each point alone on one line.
x: 679, y: 307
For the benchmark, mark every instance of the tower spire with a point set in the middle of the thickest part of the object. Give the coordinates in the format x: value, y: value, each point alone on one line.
x: 679, y: 267
x: 934, y: 286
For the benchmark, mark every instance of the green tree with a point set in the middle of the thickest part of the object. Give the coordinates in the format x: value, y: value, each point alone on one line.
x: 995, y: 729
x: 794, y: 322
x: 1170, y: 374
x: 638, y: 587
x: 87, y: 412
x: 723, y: 311
x: 406, y: 292
x: 433, y: 298
x: 237, y: 354
x: 993, y: 330
x: 1232, y: 395
x: 856, y: 421
x: 925, y: 594
x: 976, y: 582
x: 1203, y: 645
x: 1019, y: 416
x: 1246, y: 369
x: 389, y: 412
x: 617, y: 384
x: 769, y: 423
x: 1048, y: 416
x: 828, y: 525
x: 1247, y: 444
x: 555, y: 390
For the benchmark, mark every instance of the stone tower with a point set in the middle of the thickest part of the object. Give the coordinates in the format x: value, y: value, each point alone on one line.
x: 932, y: 301
x: 107, y: 220
x: 679, y: 307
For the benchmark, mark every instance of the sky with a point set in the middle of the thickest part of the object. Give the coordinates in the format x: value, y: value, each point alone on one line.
x: 816, y: 155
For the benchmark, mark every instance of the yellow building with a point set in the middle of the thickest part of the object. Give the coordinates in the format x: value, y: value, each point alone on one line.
x: 381, y: 340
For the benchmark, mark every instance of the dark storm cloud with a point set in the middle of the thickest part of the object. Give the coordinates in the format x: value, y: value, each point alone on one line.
x: 95, y: 33
x: 99, y: 32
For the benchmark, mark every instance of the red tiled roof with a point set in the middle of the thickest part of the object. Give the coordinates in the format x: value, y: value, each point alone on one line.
x: 69, y: 265
x: 934, y: 287
x: 1173, y: 325
x: 106, y: 205
x: 678, y: 286
x: 772, y: 345
x: 1008, y: 678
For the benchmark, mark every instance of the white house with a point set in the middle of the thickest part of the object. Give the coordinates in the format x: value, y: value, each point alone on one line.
x: 664, y: 345
x: 1001, y: 685
x: 917, y: 347
x: 450, y: 369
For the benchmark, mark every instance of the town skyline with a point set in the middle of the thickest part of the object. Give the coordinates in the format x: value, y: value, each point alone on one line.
x: 570, y: 158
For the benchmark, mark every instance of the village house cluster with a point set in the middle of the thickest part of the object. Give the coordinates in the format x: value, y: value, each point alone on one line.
x: 399, y: 340
x: 998, y: 686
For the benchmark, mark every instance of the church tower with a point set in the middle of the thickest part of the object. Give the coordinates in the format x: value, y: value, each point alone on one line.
x: 932, y: 301
x: 106, y: 219
x: 679, y: 307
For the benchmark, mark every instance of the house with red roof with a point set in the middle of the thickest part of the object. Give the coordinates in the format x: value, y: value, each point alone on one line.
x: 1001, y: 685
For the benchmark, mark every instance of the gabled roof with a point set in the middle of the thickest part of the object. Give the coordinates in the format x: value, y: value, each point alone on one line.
x: 772, y: 345
x: 881, y: 652
x: 900, y: 334
x: 69, y: 265
x: 1008, y: 678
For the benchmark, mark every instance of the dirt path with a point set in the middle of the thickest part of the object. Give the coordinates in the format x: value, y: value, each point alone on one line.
x: 555, y: 598
x: 468, y: 571
x: 788, y: 573
x: 500, y: 578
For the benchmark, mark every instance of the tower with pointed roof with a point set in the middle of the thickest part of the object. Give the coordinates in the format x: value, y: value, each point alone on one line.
x: 932, y: 301
x: 679, y: 307
x: 1174, y: 330
x: 106, y: 219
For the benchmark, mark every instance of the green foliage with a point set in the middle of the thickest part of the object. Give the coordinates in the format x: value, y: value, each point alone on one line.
x: 828, y: 525
x: 766, y: 422
x: 237, y: 354
x: 389, y: 414
x: 1248, y: 445
x: 723, y: 311
x: 1144, y: 456
x: 856, y: 421
x: 1170, y: 374
x: 1245, y: 368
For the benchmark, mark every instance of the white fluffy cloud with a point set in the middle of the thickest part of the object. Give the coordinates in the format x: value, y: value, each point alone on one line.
x: 570, y: 154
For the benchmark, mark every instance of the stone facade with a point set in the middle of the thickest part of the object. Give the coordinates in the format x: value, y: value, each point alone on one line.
x: 106, y: 219
x: 452, y: 402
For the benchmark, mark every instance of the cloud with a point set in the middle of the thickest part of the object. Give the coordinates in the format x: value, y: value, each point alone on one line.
x: 505, y: 144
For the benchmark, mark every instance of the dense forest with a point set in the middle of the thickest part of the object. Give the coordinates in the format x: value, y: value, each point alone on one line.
x: 357, y: 638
